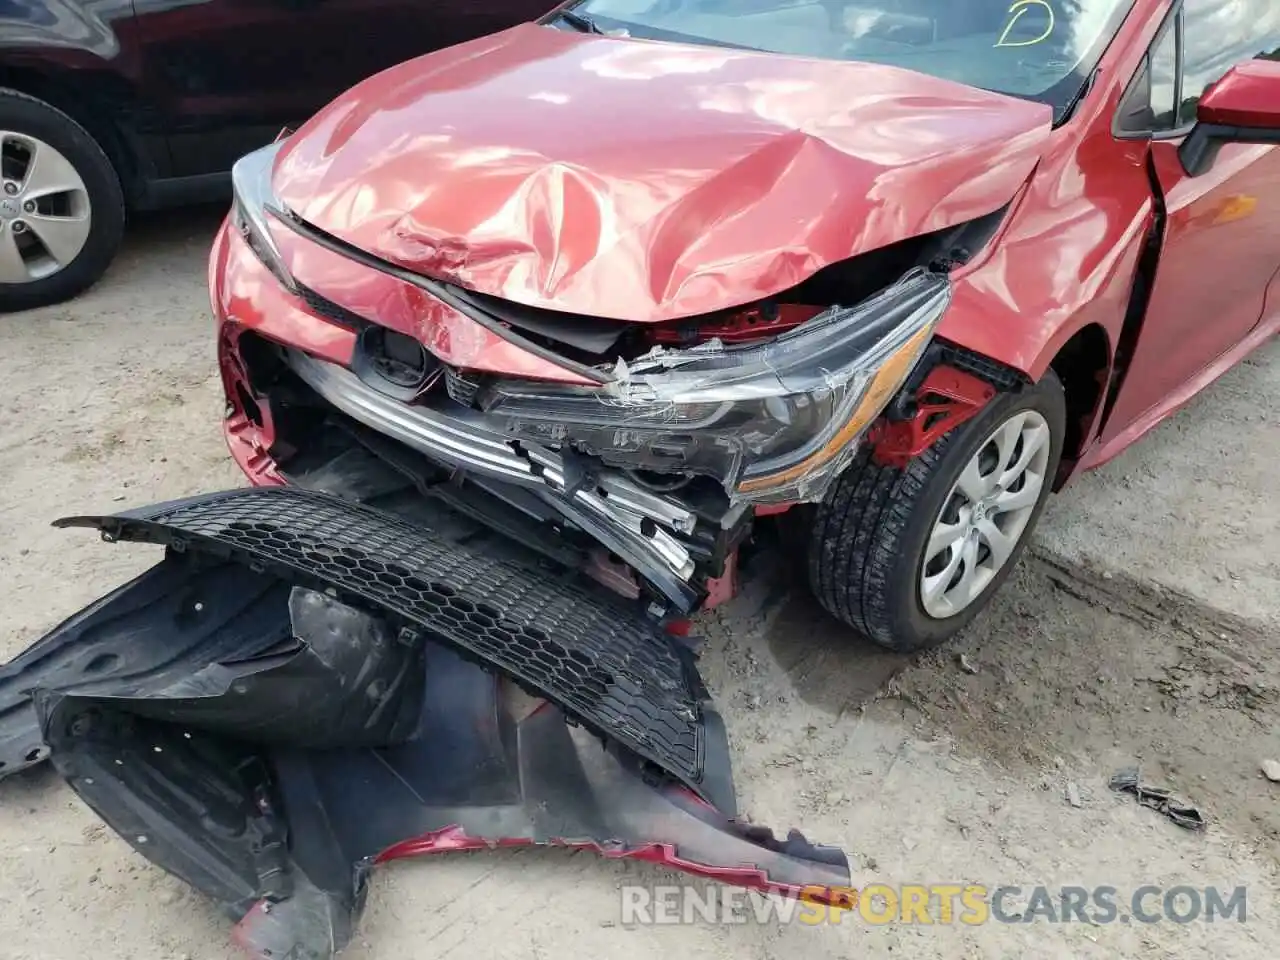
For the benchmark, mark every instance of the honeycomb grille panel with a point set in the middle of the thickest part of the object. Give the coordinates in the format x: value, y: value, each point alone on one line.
x: 606, y: 667
x: 322, y: 305
x: 461, y: 389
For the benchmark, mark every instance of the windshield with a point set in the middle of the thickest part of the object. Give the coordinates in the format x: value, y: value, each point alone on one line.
x: 1038, y: 49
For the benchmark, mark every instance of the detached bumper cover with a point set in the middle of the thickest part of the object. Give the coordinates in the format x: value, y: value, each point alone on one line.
x: 266, y: 724
x: 610, y: 670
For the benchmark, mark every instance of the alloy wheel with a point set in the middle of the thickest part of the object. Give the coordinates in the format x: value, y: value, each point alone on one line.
x: 985, y: 514
x: 45, y: 215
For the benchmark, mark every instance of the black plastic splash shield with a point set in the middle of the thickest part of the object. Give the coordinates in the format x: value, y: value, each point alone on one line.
x: 606, y: 666
x: 149, y: 625
x: 174, y: 642
x: 285, y: 838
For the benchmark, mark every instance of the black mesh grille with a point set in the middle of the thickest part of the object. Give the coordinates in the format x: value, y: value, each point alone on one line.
x: 461, y: 389
x: 606, y: 666
x: 996, y: 373
x: 326, y: 308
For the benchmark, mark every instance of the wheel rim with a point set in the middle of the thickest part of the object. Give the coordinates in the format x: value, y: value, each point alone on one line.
x: 985, y: 515
x: 44, y: 209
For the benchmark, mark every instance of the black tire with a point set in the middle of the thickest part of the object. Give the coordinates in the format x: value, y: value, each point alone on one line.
x: 868, y: 537
x: 35, y: 118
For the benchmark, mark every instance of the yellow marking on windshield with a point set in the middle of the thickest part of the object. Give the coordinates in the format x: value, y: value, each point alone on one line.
x: 1019, y: 10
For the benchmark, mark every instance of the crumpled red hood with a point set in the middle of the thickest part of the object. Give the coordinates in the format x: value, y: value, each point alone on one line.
x: 646, y: 181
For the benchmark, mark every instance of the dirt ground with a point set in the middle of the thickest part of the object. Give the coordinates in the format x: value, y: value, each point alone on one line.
x: 1143, y: 628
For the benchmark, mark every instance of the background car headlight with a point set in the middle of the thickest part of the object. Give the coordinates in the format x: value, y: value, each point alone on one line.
x: 773, y: 422
x: 253, y: 203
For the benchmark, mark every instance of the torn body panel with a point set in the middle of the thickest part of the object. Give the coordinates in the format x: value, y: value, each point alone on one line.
x: 409, y: 739
x: 318, y: 425
x: 284, y: 839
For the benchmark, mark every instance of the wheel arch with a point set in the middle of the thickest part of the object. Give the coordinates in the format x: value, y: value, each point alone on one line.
x: 1083, y: 365
x: 67, y: 91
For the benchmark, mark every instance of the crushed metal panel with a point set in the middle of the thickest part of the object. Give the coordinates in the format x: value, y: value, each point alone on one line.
x: 605, y: 665
x: 797, y: 163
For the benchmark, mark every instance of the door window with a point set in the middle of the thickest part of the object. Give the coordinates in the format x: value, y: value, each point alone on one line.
x: 1164, y: 80
x: 1206, y: 38
x: 1217, y: 35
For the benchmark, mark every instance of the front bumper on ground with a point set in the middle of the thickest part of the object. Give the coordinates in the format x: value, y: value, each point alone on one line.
x: 608, y: 668
x: 305, y: 687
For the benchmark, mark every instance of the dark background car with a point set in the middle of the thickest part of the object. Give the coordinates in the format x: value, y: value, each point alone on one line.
x: 108, y: 106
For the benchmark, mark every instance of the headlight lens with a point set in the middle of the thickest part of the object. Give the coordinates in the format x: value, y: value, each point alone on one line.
x: 251, y: 182
x: 774, y: 422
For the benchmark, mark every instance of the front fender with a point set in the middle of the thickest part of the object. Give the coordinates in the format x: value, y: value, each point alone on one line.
x: 1066, y: 259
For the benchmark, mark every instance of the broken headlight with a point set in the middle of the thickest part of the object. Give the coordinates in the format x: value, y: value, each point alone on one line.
x: 773, y: 422
x: 251, y: 182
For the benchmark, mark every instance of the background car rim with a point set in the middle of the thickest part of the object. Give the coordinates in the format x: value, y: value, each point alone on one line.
x: 44, y: 209
x: 985, y: 515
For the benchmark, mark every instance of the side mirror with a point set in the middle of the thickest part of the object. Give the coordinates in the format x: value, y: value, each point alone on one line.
x: 1242, y: 107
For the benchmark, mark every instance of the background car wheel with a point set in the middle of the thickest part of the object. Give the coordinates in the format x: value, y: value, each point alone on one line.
x: 61, y: 206
x: 909, y: 557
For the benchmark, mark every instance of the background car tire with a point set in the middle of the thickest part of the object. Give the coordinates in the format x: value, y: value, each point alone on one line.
x: 868, y: 538
x: 28, y: 117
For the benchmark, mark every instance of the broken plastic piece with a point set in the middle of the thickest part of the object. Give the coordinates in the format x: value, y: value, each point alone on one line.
x: 191, y: 630
x: 1184, y: 815
x: 773, y: 421
x: 196, y: 762
x: 608, y: 667
x: 487, y: 768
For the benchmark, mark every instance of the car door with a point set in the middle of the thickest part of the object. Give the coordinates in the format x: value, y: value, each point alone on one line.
x: 1222, y: 229
x: 225, y: 75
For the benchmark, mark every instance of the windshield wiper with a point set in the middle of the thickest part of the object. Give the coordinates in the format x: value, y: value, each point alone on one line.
x: 579, y: 22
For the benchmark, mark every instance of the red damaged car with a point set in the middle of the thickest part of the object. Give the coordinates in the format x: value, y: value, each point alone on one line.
x: 620, y: 283
x: 593, y: 296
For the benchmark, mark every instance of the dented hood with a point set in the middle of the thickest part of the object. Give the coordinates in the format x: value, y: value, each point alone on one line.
x: 645, y: 181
